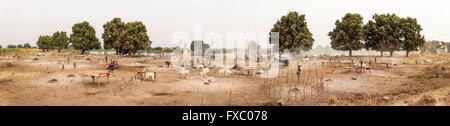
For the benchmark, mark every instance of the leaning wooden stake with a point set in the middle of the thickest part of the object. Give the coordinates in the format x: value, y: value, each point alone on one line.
x: 229, y: 101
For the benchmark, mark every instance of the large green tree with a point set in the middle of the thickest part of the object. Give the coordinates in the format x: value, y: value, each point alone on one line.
x: 83, y: 37
x: 113, y: 29
x: 294, y: 34
x: 411, y: 37
x: 348, y: 34
x: 19, y: 46
x: 60, y: 40
x: 133, y: 38
x: 384, y: 33
x: 44, y: 42
x: 372, y: 38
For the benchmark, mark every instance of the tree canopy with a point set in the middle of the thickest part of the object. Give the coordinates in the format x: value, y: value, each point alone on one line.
x: 112, y: 30
x: 388, y: 32
x: 432, y: 47
x: 412, y: 39
x: 83, y: 37
x: 11, y: 46
x: 294, y: 34
x: 133, y: 38
x: 204, y: 46
x: 44, y: 42
x: 348, y: 34
x: 384, y: 33
x: 27, y: 45
x: 60, y: 40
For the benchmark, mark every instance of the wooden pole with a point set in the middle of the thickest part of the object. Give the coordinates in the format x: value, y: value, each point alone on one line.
x: 229, y: 101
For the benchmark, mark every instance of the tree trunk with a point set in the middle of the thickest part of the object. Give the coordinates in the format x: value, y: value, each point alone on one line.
x: 59, y: 50
x: 350, y: 53
x: 82, y: 52
x: 407, y: 53
x: 381, y: 53
x: 391, y: 53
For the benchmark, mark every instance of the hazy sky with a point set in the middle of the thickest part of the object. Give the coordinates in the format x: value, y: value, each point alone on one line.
x: 24, y: 20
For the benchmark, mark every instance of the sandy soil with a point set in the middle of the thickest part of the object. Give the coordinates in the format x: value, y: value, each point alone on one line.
x: 42, y: 82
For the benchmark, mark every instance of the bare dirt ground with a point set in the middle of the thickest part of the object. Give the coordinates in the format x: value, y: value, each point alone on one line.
x: 40, y: 80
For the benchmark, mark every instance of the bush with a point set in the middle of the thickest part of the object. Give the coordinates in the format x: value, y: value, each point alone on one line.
x: 10, y: 52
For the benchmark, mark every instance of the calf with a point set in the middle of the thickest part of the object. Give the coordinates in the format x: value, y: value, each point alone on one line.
x: 184, y: 72
x: 168, y: 64
x: 225, y: 72
x: 204, y: 72
x: 150, y: 76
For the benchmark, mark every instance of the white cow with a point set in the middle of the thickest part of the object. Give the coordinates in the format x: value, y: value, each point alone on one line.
x: 204, y: 72
x: 428, y: 61
x: 225, y: 72
x: 184, y: 72
x: 200, y: 66
x: 150, y: 76
x: 360, y: 65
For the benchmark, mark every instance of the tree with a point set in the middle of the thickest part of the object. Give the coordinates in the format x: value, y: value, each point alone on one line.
x: 1, y: 46
x: 60, y: 40
x: 431, y: 47
x: 348, y: 34
x: 19, y: 46
x: 133, y: 38
x: 44, y: 42
x: 372, y: 38
x: 158, y: 49
x: 384, y: 33
x: 204, y: 47
x: 167, y: 50
x: 112, y: 32
x: 11, y: 46
x: 412, y: 39
x: 27, y: 45
x: 448, y: 47
x: 83, y: 37
x: 293, y: 32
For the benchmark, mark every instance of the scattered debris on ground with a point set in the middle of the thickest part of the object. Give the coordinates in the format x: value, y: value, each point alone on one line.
x: 52, y: 81
x: 163, y: 94
x: 9, y: 65
x: 427, y: 100
x: 71, y: 75
x: 5, y: 82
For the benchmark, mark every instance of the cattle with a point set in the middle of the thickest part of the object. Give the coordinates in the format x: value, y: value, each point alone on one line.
x: 184, y: 72
x: 168, y: 63
x: 146, y: 75
x: 428, y: 61
x: 225, y: 72
x: 150, y: 76
x: 18, y: 57
x: 204, y: 72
